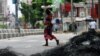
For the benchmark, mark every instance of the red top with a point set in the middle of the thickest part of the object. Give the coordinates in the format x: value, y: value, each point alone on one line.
x: 48, y: 20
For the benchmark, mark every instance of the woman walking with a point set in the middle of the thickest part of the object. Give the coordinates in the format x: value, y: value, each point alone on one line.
x: 48, y: 28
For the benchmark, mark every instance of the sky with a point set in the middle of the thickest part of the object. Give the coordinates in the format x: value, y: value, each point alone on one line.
x: 12, y: 8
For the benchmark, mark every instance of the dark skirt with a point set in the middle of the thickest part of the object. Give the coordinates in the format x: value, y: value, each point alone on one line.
x: 48, y: 33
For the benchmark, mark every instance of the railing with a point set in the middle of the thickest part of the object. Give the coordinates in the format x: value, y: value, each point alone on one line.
x: 9, y: 33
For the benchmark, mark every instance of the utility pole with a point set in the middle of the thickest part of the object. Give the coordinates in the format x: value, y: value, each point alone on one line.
x: 44, y: 3
x: 72, y: 12
x: 92, y: 4
x: 16, y: 2
x: 61, y: 16
x: 16, y: 9
x: 16, y: 12
x: 92, y: 9
x: 99, y: 14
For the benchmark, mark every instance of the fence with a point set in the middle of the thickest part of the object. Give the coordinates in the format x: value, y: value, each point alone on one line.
x: 9, y: 33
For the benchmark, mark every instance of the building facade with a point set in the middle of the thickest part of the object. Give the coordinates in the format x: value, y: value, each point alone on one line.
x: 3, y: 8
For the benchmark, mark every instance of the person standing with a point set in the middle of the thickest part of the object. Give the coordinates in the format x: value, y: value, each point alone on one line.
x: 92, y: 26
x: 56, y: 24
x: 75, y: 27
x: 48, y: 28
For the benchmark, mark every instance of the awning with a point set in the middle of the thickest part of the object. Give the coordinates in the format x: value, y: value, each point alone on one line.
x: 80, y: 19
x: 68, y: 19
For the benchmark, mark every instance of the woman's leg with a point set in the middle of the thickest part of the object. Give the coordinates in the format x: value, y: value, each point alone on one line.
x: 46, y: 42
x: 57, y: 41
x: 52, y: 36
x: 45, y: 37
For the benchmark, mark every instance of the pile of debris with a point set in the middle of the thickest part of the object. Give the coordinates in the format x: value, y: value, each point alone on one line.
x: 8, y: 52
x: 85, y: 44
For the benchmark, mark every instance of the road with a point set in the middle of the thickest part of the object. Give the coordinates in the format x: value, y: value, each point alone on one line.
x: 34, y: 43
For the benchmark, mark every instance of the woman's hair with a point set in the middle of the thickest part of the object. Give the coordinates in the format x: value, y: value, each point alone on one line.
x: 48, y: 12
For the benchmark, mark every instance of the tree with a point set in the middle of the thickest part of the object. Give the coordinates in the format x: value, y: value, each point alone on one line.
x: 30, y: 15
x: 38, y: 12
x: 24, y: 10
x: 34, y: 12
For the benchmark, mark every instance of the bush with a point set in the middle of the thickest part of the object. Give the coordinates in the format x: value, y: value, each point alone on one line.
x: 3, y: 26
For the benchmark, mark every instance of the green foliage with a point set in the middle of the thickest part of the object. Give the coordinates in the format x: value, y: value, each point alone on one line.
x: 2, y: 26
x: 24, y: 10
x: 22, y: 19
x: 37, y: 10
x: 28, y: 13
x: 49, y: 1
x: 34, y: 12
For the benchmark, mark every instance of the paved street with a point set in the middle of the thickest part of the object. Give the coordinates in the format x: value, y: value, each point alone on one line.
x: 33, y: 43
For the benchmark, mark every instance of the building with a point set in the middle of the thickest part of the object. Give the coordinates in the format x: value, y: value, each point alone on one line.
x: 93, y: 10
x: 91, y: 6
x: 3, y: 9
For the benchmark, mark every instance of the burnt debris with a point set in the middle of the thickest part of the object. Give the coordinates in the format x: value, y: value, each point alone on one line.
x: 85, y: 44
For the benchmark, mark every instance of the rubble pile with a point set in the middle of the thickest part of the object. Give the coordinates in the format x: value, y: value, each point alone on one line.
x: 8, y: 52
x: 85, y: 44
